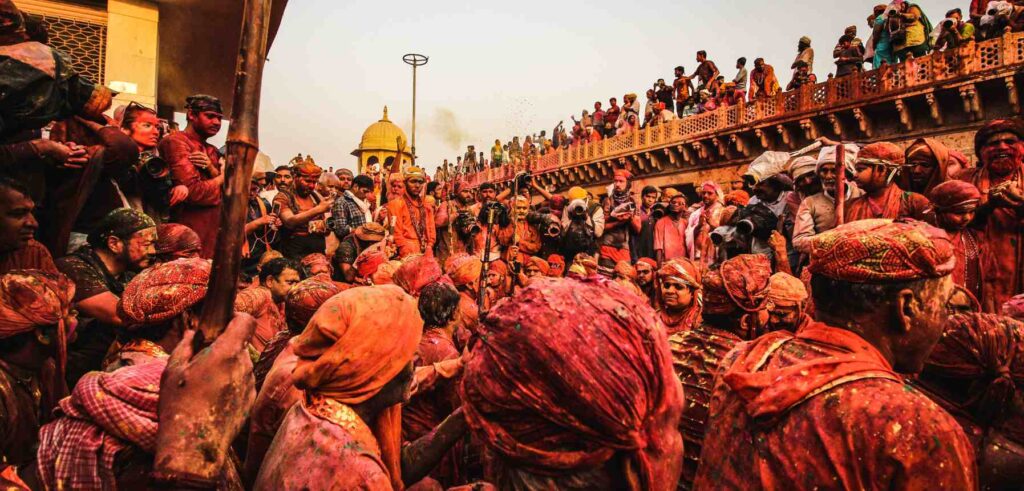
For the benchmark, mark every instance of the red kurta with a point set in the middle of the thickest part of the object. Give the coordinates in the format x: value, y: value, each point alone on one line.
x: 895, y: 203
x: 1002, y: 232
x: 201, y: 210
x: 822, y: 409
x: 33, y: 256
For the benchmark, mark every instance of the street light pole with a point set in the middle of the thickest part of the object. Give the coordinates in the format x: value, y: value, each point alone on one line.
x: 416, y: 60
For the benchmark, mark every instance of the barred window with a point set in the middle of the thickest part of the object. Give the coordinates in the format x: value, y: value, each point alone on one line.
x: 83, y: 42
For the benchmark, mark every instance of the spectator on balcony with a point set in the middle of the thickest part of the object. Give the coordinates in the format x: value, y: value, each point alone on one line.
x: 946, y: 36
x: 705, y: 103
x: 497, y: 154
x: 849, y: 58
x: 804, y: 53
x: 515, y: 151
x: 911, y: 39
x: 876, y: 167
x: 741, y: 75
x: 801, y: 77
x: 706, y: 73
x: 763, y: 82
x: 884, y: 23
x: 683, y: 88
x: 469, y: 159
x: 627, y: 124
x: 978, y: 9
x: 598, y: 121
x: 611, y: 117
x: 592, y: 135
x: 650, y: 107
x: 855, y: 42
x: 965, y: 29
x: 664, y: 93
x: 629, y: 105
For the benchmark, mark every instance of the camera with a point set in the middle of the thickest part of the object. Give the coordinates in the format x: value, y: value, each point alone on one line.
x: 577, y: 210
x: 658, y: 211
x: 545, y: 223
x: 466, y: 225
x: 493, y: 210
x: 756, y: 221
x: 152, y: 165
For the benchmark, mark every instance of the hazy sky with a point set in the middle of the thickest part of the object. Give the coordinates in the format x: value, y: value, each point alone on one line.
x: 499, y: 69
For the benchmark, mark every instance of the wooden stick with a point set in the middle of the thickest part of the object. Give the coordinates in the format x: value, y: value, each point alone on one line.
x: 840, y: 184
x: 243, y: 144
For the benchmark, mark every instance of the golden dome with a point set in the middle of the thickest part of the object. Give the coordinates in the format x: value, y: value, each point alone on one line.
x: 382, y: 135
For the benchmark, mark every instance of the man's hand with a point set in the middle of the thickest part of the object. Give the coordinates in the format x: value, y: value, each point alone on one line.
x: 200, y: 159
x: 178, y: 194
x: 205, y: 396
x: 68, y: 155
x: 325, y: 204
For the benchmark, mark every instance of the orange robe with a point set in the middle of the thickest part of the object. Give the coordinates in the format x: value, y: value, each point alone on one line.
x: 414, y: 231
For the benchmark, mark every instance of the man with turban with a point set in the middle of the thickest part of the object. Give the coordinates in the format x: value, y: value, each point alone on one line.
x: 817, y: 213
x: 556, y: 265
x: 645, y: 279
x: 825, y: 407
x: 956, y: 205
x: 702, y: 220
x: 563, y: 403
x: 316, y: 264
x: 731, y: 295
x: 876, y: 168
x: 680, y: 295
x: 976, y: 373
x: 35, y: 319
x: 622, y: 223
x: 411, y: 219
x: 533, y: 268
x: 176, y: 241
x: 303, y: 213
x: 498, y: 284
x: 156, y: 308
x: 929, y: 163
x: 196, y: 164
x: 122, y: 244
x: 624, y: 274
x: 345, y: 433
x: 276, y: 393
x: 787, y: 303
x: 1000, y: 178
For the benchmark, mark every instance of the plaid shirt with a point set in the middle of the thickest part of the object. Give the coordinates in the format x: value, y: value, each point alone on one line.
x: 347, y: 216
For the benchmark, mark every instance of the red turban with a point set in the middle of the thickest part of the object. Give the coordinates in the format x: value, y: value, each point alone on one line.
x: 304, y: 299
x: 574, y: 374
x: 955, y: 195
x: 499, y: 267
x: 786, y: 290
x: 648, y: 261
x: 31, y: 298
x: 308, y: 169
x: 557, y: 264
x: 882, y: 153
x: 622, y: 173
x: 417, y: 272
x: 738, y: 283
x: 463, y: 269
x: 177, y: 240
x: 878, y: 250
x: 625, y: 269
x: 107, y: 413
x: 1013, y: 125
x: 164, y: 291
x: 987, y: 351
x: 311, y: 261
x: 369, y: 260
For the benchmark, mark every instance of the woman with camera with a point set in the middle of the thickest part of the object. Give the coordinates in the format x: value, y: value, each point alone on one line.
x: 159, y: 194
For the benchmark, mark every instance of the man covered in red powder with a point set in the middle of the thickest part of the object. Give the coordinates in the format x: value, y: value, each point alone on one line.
x: 679, y: 282
x: 876, y: 167
x: 825, y: 407
x: 196, y: 165
x: 733, y: 294
x: 572, y: 388
x: 1000, y: 178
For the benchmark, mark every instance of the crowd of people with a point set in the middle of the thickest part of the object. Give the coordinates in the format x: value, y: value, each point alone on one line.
x: 896, y: 32
x: 843, y: 316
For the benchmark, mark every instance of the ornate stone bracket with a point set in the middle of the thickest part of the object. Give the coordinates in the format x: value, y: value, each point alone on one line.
x: 787, y: 138
x: 810, y: 129
x: 740, y: 144
x: 972, y: 102
x: 906, y: 119
x: 934, y: 108
x: 700, y: 149
x: 766, y: 140
x: 837, y: 125
x: 1014, y: 98
x: 656, y: 160
x: 721, y: 147
x: 863, y: 122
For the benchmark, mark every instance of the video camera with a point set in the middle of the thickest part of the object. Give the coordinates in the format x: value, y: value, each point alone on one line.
x: 466, y: 225
x: 658, y: 211
x: 501, y: 215
x: 152, y: 166
x: 749, y: 224
x: 545, y: 223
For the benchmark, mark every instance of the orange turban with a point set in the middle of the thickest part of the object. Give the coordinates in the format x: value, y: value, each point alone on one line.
x: 308, y: 169
x: 499, y: 267
x: 369, y: 260
x: 164, y: 291
x: 385, y: 273
x: 557, y: 263
x: 464, y: 269
x: 625, y: 269
x: 879, y: 250
x: 786, y: 290
x: 538, y: 263
x: 739, y: 283
x: 315, y: 261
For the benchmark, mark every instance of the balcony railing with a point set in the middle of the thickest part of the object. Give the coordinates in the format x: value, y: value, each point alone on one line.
x: 970, y: 59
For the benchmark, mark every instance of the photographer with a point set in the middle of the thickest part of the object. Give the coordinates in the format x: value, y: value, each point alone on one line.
x: 159, y: 193
x: 449, y: 238
x: 582, y: 224
x: 196, y: 164
x: 623, y: 222
x: 642, y: 244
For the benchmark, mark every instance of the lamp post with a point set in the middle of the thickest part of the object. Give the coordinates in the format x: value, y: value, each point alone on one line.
x: 416, y: 60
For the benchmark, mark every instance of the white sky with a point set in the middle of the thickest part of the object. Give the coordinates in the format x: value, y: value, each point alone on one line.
x: 499, y: 69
